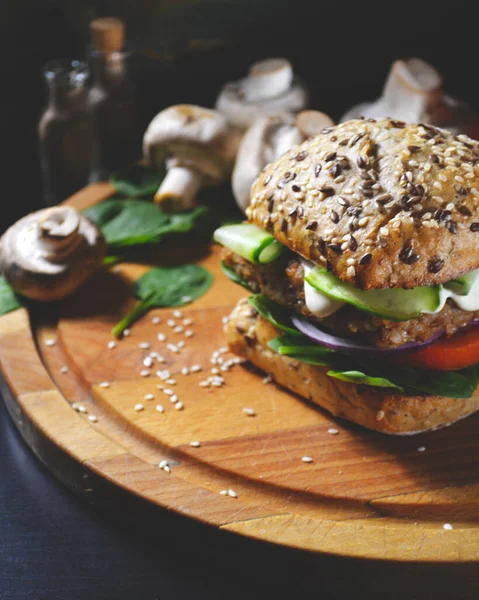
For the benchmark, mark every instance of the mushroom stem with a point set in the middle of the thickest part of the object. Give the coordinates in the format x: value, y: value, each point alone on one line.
x: 180, y: 185
x: 412, y: 86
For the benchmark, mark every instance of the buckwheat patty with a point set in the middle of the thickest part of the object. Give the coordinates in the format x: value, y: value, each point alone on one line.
x: 283, y: 282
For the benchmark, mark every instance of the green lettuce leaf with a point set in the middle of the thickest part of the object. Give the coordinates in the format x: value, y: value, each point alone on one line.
x: 137, y: 181
x: 127, y: 223
x: 8, y: 299
x: 275, y: 314
x: 235, y: 278
x: 363, y: 379
x: 367, y: 371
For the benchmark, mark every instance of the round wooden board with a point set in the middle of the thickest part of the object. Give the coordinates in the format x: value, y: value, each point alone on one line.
x: 364, y: 495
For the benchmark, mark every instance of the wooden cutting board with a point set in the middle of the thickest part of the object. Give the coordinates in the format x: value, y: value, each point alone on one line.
x: 364, y: 495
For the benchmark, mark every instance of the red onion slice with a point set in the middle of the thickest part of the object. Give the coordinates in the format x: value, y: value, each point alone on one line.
x: 348, y: 345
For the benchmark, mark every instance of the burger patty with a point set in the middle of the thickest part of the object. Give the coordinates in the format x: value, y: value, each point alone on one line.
x: 283, y: 282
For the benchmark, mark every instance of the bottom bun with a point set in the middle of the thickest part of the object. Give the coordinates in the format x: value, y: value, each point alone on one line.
x: 248, y: 334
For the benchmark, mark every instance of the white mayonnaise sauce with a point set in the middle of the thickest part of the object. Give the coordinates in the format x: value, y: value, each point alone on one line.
x: 316, y: 302
x: 470, y: 302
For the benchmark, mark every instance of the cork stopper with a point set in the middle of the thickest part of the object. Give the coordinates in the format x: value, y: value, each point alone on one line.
x: 108, y: 34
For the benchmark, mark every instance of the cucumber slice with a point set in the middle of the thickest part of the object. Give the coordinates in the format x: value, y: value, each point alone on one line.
x: 394, y: 304
x: 250, y: 242
x: 462, y: 285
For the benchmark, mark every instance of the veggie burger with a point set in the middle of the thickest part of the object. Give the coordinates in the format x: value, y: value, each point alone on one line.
x: 362, y: 252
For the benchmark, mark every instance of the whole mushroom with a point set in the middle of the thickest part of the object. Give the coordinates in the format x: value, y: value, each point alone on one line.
x: 48, y: 254
x: 265, y: 141
x: 270, y: 88
x: 196, y: 145
x: 413, y: 93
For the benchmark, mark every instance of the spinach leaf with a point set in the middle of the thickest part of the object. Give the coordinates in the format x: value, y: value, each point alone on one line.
x: 275, y: 314
x: 8, y: 299
x: 235, y: 278
x: 134, y: 222
x: 137, y: 181
x: 360, y: 378
x: 166, y: 286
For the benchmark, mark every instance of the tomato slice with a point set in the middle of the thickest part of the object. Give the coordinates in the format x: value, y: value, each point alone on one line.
x: 446, y: 354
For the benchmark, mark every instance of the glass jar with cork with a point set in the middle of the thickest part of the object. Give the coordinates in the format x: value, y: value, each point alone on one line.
x: 111, y: 100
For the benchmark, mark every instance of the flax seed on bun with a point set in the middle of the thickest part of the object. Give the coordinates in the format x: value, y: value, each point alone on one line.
x: 383, y: 204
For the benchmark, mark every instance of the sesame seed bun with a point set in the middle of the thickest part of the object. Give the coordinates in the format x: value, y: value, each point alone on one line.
x: 382, y: 204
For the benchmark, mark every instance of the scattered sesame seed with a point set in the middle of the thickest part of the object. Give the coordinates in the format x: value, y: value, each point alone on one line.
x: 223, y: 492
x: 333, y: 431
x: 81, y: 409
x: 204, y: 383
x: 179, y: 406
x: 76, y: 406
x: 105, y: 384
x: 195, y: 368
x: 139, y: 407
x: 126, y: 332
x: 167, y: 469
x: 171, y: 323
x: 188, y: 333
x: 161, y: 337
x: 149, y: 396
x: 163, y: 375
x: 232, y: 494
x: 225, y: 320
x: 188, y: 322
x: 267, y: 379
x: 172, y: 348
x: 168, y: 392
x: 111, y: 345
x: 448, y: 527
x: 215, y: 370
x: 307, y: 459
x: 250, y: 412
x: 50, y: 342
x: 421, y: 448
x: 380, y: 415
x: 171, y: 381
x: 195, y: 444
x: 173, y: 398
x: 181, y: 344
x: 156, y: 320
x: 177, y: 314
x: 93, y: 419
x: 144, y: 373
x: 185, y: 371
x: 144, y: 345
x: 148, y: 361
x: 178, y: 329
x: 64, y: 369
x: 159, y: 408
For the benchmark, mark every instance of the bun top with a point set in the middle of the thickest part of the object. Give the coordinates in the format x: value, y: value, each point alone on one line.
x: 380, y: 203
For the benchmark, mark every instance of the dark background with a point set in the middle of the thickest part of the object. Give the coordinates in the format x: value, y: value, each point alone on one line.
x: 184, y: 50
x: 51, y: 545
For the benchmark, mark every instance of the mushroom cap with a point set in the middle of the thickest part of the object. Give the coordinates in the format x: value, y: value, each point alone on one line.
x: 269, y: 89
x: 413, y: 93
x: 262, y: 143
x: 49, y: 253
x: 195, y: 137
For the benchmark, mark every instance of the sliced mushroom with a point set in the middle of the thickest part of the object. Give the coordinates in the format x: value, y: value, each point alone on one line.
x: 48, y: 254
x: 266, y: 140
x: 269, y: 89
x: 198, y: 148
x: 413, y: 93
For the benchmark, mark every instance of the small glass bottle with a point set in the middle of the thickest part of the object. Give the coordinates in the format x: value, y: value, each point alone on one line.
x: 111, y: 100
x: 65, y: 130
